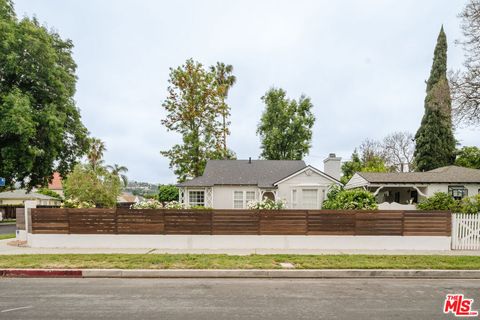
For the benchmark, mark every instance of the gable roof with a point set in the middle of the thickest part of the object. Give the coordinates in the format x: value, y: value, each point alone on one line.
x: 21, y: 194
x: 321, y: 173
x: 449, y: 174
x: 262, y: 173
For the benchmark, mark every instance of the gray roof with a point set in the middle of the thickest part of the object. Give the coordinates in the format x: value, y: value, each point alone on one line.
x: 449, y: 174
x: 22, y: 194
x: 262, y: 173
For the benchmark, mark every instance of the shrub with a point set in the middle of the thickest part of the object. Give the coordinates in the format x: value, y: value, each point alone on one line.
x: 75, y: 203
x: 175, y: 205
x: 355, y: 199
x: 267, y: 204
x: 48, y: 192
x: 147, y: 204
x: 440, y: 201
x: 97, y: 186
x: 167, y: 193
x: 471, y: 205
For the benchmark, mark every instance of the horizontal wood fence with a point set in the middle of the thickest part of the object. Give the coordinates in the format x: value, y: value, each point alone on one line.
x: 240, y: 222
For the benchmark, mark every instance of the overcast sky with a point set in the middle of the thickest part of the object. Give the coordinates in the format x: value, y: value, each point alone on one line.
x: 363, y: 63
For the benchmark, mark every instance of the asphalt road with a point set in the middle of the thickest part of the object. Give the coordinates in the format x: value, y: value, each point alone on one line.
x: 7, y: 228
x: 229, y: 298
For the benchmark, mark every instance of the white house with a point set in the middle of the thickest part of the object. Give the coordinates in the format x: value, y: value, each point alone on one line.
x: 231, y: 184
x: 411, y: 187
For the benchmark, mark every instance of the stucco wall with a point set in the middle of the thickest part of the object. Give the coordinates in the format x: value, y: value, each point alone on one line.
x: 304, y: 181
x: 223, y: 195
x: 240, y: 242
x: 432, y: 188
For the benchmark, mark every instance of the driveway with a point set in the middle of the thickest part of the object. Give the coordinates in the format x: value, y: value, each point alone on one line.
x: 212, y: 299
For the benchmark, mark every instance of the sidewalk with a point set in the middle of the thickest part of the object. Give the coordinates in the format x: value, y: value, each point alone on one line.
x: 6, y: 249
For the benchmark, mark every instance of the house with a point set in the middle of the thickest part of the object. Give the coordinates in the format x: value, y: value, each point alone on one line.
x: 125, y: 200
x: 56, y: 184
x: 411, y: 187
x: 19, y: 196
x: 231, y: 184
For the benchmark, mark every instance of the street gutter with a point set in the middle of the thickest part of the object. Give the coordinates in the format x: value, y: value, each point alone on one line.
x: 243, y: 273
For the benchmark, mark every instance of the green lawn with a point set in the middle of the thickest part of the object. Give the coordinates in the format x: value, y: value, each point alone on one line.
x: 218, y: 261
x: 7, y: 236
x: 8, y: 221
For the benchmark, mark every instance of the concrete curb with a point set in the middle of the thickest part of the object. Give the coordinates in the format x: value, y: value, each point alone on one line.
x: 255, y: 273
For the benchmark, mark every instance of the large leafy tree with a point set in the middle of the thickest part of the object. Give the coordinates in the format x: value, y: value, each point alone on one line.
x: 195, y: 108
x: 368, y: 162
x: 40, y: 127
x: 435, y: 143
x: 466, y: 83
x: 97, y: 187
x: 468, y: 157
x: 224, y: 79
x: 285, y: 127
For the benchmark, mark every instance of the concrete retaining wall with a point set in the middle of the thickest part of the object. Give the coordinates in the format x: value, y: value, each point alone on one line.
x: 245, y: 242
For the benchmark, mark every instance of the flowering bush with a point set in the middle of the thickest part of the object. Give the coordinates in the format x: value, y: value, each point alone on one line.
x: 74, y: 203
x: 147, y: 204
x: 267, y: 204
x: 175, y: 205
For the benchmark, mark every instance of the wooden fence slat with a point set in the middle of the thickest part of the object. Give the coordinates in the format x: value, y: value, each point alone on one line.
x: 250, y: 222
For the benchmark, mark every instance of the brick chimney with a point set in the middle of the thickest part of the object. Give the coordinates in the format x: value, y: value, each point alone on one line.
x: 332, y: 166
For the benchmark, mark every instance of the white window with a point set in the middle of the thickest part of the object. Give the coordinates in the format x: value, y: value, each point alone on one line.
x: 196, y: 198
x: 309, y: 198
x: 249, y: 196
x: 242, y: 198
x: 294, y: 198
x: 238, y: 199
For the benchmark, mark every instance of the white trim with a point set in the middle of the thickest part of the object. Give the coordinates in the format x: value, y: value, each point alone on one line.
x: 323, y: 174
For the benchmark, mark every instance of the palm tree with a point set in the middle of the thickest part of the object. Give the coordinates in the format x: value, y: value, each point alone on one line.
x: 225, y: 80
x: 119, y: 171
x: 95, y: 154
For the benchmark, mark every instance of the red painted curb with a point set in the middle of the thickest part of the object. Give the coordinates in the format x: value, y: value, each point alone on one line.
x: 40, y: 273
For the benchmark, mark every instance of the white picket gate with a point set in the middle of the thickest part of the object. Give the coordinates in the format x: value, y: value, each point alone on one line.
x: 465, y: 231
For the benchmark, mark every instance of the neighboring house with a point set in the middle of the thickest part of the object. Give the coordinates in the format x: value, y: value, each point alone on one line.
x: 231, y: 184
x: 411, y: 187
x: 125, y: 200
x: 18, y: 197
x: 56, y: 184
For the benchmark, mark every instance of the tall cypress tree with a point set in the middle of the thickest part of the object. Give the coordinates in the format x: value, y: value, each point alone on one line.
x: 435, y: 143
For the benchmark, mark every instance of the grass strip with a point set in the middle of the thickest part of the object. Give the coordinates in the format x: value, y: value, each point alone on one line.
x: 7, y: 236
x: 220, y: 261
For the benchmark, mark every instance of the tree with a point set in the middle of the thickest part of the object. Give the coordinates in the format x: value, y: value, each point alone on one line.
x: 285, y: 127
x: 167, y: 193
x: 119, y: 171
x: 349, y: 168
x: 194, y: 109
x: 398, y: 148
x: 368, y: 163
x: 95, y: 152
x: 435, y: 143
x: 466, y: 83
x: 94, y: 186
x: 468, y: 157
x: 224, y: 79
x: 40, y: 128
